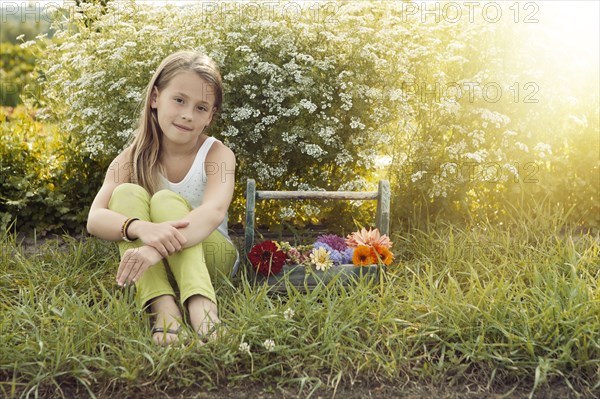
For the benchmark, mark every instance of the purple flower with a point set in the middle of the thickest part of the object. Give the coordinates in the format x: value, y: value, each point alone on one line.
x: 347, y: 256
x: 336, y: 257
x: 319, y: 244
x: 334, y: 242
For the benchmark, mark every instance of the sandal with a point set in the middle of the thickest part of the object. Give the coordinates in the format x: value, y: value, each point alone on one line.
x: 173, y: 331
x: 162, y: 330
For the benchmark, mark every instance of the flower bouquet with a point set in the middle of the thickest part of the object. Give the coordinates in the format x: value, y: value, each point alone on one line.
x: 330, y: 256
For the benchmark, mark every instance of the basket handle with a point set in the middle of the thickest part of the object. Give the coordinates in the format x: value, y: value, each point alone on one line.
x: 382, y: 196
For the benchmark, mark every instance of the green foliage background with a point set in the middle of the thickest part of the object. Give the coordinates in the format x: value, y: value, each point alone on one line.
x: 16, y: 67
x: 29, y: 191
x: 313, y: 102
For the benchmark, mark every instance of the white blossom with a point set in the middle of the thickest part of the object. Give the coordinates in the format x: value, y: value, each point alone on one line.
x: 288, y: 95
x: 27, y: 44
x: 287, y: 212
x: 244, y: 112
x: 230, y: 131
x: 356, y: 124
x: 269, y: 345
x: 314, y: 150
x: 346, y: 101
x: 521, y: 146
x: 288, y: 314
x: 477, y: 156
x: 343, y: 158
x: 417, y: 175
x: 512, y: 169
x: 478, y: 137
x: 311, y: 210
x: 306, y: 104
x: 543, y: 149
x: 244, y: 347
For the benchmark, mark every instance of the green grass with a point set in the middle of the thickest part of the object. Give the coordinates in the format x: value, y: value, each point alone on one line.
x: 503, y: 309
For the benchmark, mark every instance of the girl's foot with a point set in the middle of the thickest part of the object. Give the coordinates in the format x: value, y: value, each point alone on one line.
x: 166, y: 326
x: 203, y: 316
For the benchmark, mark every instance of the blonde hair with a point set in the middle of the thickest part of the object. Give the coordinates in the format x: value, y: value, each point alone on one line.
x: 146, y: 143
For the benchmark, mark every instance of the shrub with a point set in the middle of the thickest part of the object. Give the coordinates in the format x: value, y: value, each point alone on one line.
x: 304, y: 99
x: 314, y: 97
x: 31, y: 171
x: 487, y: 129
x: 16, y: 66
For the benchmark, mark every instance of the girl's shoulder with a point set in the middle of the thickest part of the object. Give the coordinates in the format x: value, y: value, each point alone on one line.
x: 124, y: 157
x: 219, y: 151
x: 122, y: 166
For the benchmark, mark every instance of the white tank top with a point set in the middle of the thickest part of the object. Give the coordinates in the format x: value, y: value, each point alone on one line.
x: 194, y: 183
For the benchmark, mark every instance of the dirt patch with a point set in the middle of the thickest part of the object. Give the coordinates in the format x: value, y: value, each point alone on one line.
x: 406, y: 390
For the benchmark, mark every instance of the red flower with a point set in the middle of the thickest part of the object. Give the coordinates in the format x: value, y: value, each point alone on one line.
x: 266, y: 258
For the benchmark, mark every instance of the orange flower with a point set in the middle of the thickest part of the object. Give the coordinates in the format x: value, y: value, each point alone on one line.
x: 384, y: 254
x: 363, y: 256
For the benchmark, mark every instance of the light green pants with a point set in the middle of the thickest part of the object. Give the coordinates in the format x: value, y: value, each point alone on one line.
x: 192, y: 267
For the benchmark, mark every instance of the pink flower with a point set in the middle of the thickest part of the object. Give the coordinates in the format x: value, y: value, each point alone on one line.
x: 295, y: 257
x: 368, y: 238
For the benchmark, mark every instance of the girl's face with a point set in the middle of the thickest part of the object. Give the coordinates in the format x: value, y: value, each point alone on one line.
x: 185, y: 106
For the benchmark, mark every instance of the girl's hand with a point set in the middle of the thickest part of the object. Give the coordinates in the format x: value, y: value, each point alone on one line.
x: 164, y: 237
x: 135, y: 262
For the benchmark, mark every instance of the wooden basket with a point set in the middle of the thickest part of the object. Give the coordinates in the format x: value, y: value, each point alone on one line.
x: 298, y: 275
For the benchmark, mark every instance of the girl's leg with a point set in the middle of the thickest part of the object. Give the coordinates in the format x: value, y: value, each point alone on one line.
x: 153, y: 287
x: 220, y: 256
x: 193, y: 267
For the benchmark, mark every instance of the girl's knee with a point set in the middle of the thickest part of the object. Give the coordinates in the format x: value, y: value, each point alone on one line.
x: 125, y: 193
x: 166, y: 205
x: 167, y: 199
x: 163, y: 195
x: 127, y: 189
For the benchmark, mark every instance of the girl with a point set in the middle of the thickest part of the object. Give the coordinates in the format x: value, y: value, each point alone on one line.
x: 165, y: 197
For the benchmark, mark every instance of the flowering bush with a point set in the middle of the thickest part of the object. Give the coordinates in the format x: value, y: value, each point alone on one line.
x: 316, y: 99
x: 299, y: 93
x: 361, y: 248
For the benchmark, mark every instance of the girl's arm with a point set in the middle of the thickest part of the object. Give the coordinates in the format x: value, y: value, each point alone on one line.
x: 106, y: 224
x: 220, y: 173
x: 102, y: 222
